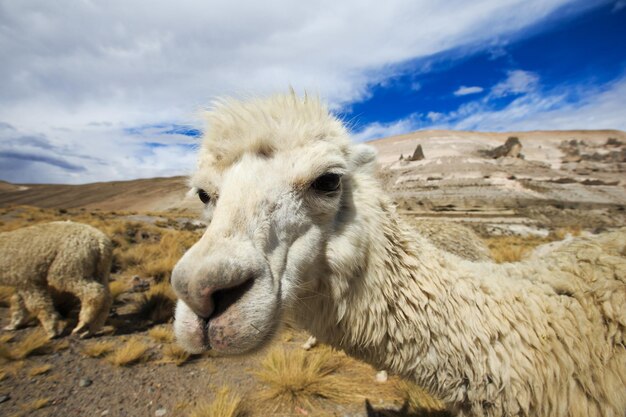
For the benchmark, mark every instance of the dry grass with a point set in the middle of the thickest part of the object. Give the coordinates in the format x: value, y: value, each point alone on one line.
x: 39, y: 370
x: 118, y: 288
x: 162, y: 334
x: 157, y: 304
x: 99, y: 349
x: 11, y: 369
x: 5, y: 296
x: 299, y: 378
x: 173, y: 353
x: 139, y: 248
x: 561, y: 233
x: 36, y: 342
x: 133, y: 351
x: 61, y: 345
x: 36, y: 405
x: 513, y: 248
x: 6, y: 338
x: 225, y: 404
x: 157, y: 258
x: 418, y: 399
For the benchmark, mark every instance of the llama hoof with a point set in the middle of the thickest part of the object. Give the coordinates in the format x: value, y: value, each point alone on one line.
x: 81, y: 333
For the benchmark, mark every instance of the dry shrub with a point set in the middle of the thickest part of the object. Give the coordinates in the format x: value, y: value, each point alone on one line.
x: 133, y: 351
x: 157, y: 304
x: 297, y: 378
x: 175, y: 354
x: 225, y: 404
x: 417, y: 398
x: 157, y: 258
x: 39, y: 370
x: 513, y: 248
x: 98, y: 349
x: 163, y: 334
x: 36, y: 342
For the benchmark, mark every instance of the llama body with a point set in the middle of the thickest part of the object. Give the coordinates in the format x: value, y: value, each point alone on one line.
x: 299, y: 223
x: 62, y: 257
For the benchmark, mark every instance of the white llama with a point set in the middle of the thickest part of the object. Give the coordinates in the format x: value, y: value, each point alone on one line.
x: 299, y: 223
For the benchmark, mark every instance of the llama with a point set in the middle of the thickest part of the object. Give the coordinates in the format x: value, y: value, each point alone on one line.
x: 299, y: 223
x: 57, y: 257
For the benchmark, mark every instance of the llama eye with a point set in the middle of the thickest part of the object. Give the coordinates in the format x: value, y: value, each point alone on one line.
x: 327, y: 183
x: 204, y: 197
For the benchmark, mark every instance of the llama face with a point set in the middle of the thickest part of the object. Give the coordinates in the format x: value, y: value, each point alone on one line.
x: 274, y: 177
x: 266, y: 232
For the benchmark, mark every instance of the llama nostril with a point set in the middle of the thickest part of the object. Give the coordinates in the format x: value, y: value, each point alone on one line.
x: 205, y: 305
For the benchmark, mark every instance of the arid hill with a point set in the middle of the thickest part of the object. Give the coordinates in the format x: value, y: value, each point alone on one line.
x: 469, y: 175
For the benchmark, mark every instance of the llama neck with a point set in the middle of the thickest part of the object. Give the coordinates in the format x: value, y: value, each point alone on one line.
x: 377, y: 304
x: 386, y: 299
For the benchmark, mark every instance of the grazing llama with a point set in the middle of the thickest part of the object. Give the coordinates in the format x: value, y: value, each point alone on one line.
x: 59, y: 257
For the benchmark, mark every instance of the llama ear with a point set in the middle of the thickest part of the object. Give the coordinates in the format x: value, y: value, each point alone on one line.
x: 363, y: 155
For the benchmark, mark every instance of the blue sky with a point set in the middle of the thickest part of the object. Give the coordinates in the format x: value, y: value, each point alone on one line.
x: 111, y: 90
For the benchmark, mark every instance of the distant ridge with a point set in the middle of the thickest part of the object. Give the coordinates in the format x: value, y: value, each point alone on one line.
x: 153, y: 194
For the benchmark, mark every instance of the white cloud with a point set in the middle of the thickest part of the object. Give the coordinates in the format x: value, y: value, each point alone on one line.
x: 79, y: 73
x: 415, y: 86
x: 464, y: 91
x: 434, y: 116
x: 516, y: 82
x: 383, y: 130
x: 619, y: 5
x: 597, y: 108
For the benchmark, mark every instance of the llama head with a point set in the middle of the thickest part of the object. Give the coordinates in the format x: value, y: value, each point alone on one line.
x: 275, y: 176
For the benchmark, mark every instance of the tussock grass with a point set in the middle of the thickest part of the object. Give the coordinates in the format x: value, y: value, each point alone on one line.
x: 140, y: 248
x: 225, y: 404
x: 299, y: 378
x: 5, y: 296
x: 157, y: 258
x: 513, y: 248
x: 39, y: 370
x: 11, y: 369
x: 37, y: 404
x: 36, y: 342
x: 98, y: 349
x: 163, y: 334
x: 131, y: 352
x: 6, y: 338
x: 175, y: 354
x: 61, y: 345
x: 157, y: 304
x: 417, y: 398
x: 118, y: 288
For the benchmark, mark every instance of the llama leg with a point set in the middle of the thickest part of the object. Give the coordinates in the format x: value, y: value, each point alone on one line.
x: 40, y: 305
x: 95, y: 302
x: 18, y: 312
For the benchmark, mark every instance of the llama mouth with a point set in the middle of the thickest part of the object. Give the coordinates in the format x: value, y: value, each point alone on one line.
x: 221, y: 327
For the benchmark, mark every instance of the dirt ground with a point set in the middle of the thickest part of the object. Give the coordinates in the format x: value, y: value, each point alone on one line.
x: 145, y: 388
